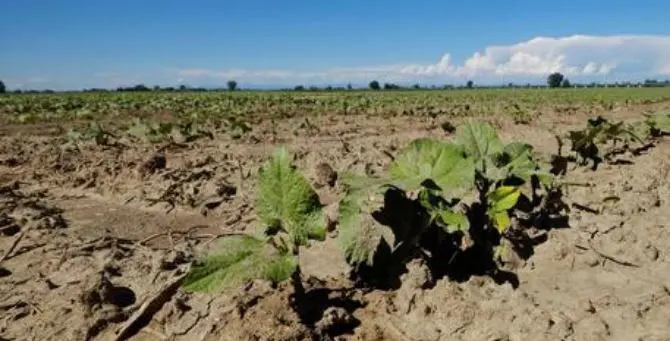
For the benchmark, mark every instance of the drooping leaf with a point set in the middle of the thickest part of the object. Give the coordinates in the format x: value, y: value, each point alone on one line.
x: 286, y: 201
x: 360, y: 234
x: 445, y: 164
x: 442, y: 212
x: 501, y: 221
x: 235, y: 260
x: 480, y: 142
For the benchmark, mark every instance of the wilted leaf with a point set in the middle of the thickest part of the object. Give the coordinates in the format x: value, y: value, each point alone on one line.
x: 443, y: 163
x: 360, y: 235
x: 286, y: 201
x: 236, y: 260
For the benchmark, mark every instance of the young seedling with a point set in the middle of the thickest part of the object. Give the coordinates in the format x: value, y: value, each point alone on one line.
x: 168, y: 131
x: 291, y: 214
x: 437, y: 196
x: 590, y: 143
x: 95, y: 132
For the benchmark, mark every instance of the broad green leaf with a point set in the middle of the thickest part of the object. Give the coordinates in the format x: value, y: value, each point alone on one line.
x: 360, y: 235
x: 480, y: 142
x: 443, y: 163
x: 286, y: 201
x: 639, y: 131
x: 503, y: 198
x: 236, y: 260
x: 520, y: 160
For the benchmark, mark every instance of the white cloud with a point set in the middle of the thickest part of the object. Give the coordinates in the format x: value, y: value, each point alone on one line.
x: 578, y: 56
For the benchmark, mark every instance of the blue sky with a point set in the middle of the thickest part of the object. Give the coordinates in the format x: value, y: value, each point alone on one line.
x: 73, y: 44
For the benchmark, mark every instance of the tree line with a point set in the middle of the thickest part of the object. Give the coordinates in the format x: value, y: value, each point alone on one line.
x: 554, y: 80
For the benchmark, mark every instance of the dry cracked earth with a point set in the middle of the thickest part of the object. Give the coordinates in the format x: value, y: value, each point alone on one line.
x: 94, y: 242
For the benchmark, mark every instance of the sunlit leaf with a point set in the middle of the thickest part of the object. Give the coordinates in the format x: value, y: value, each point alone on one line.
x: 286, y: 201
x: 445, y: 164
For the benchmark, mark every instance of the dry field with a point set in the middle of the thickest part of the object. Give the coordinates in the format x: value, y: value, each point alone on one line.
x: 97, y: 227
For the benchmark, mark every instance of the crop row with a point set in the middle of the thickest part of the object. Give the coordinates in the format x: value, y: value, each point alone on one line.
x: 459, y: 205
x: 32, y: 108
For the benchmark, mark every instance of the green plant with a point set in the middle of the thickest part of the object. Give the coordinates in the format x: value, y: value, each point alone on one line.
x: 601, y: 139
x: 659, y: 124
x: 187, y: 131
x: 237, y: 128
x: 291, y: 214
x: 95, y: 132
x: 440, y: 200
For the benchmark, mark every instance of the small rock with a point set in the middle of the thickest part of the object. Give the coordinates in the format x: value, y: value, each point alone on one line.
x: 334, y: 318
x: 154, y: 163
x: 331, y: 213
x: 651, y: 252
x: 418, y: 275
x: 325, y: 175
x: 173, y: 259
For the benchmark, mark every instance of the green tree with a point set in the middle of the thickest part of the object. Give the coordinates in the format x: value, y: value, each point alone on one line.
x: 374, y: 85
x: 555, y: 80
x: 232, y: 85
x: 3, y: 88
x: 566, y: 83
x: 470, y: 84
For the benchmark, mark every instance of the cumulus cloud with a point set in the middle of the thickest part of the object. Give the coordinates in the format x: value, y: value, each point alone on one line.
x: 578, y: 56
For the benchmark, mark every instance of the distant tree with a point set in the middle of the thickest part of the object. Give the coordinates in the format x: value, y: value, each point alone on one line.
x: 349, y: 87
x: 374, y: 85
x: 566, y: 83
x: 3, y: 88
x: 555, y: 80
x: 232, y: 85
x: 510, y: 85
x: 157, y: 88
x: 329, y: 88
x: 299, y: 88
x: 416, y: 86
x: 182, y: 87
x: 391, y: 86
x: 140, y: 87
x: 470, y: 84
